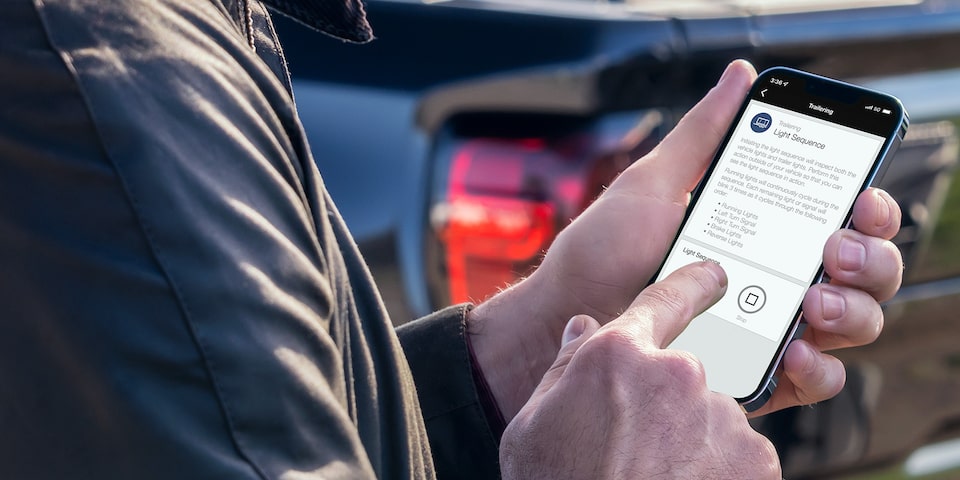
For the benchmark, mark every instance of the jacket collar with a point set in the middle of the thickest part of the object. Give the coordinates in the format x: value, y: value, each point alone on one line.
x: 344, y: 19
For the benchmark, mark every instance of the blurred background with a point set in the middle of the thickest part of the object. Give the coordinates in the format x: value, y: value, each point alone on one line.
x: 468, y: 134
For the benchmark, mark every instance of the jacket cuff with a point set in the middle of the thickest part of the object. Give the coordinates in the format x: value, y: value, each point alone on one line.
x: 461, y: 438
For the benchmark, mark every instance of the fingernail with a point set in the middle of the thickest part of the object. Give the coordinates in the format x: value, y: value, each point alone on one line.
x: 883, y: 210
x: 718, y: 273
x: 573, y: 330
x: 852, y: 256
x: 832, y: 304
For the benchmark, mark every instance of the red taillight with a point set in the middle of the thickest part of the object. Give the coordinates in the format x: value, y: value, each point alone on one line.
x: 500, y: 214
x: 487, y: 237
x: 505, y: 200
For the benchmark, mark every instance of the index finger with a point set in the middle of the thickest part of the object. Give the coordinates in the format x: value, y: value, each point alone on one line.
x: 664, y: 309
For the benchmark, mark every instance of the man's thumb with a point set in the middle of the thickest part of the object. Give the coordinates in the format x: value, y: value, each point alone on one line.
x: 575, y: 330
x: 578, y: 330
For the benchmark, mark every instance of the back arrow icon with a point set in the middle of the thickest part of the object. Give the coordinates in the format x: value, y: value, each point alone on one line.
x: 763, y: 93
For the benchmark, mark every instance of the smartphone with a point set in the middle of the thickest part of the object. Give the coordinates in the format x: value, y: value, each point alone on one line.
x: 784, y: 179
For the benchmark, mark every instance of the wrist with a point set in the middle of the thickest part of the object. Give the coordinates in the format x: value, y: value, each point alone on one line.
x: 515, y: 339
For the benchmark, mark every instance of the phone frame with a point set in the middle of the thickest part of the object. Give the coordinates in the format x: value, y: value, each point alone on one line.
x: 891, y: 127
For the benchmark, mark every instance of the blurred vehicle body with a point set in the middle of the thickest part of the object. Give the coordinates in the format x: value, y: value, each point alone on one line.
x: 459, y: 142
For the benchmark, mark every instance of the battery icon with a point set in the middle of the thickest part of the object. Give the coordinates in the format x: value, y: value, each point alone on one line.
x: 886, y: 111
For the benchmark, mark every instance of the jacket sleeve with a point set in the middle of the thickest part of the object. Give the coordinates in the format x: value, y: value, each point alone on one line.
x: 463, y: 443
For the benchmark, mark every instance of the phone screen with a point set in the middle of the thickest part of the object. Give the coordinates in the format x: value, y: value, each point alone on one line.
x: 785, y: 179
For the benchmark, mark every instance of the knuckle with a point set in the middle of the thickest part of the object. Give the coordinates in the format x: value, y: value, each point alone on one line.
x: 662, y: 299
x: 610, y: 338
x: 608, y: 346
x: 614, y: 362
x: 770, y: 461
x: 767, y: 465
x: 758, y: 456
x: 755, y: 456
x: 824, y: 381
x: 684, y: 369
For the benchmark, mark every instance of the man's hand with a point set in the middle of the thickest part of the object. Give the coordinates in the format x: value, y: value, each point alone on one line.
x: 599, y: 264
x: 864, y: 268
x: 615, y: 404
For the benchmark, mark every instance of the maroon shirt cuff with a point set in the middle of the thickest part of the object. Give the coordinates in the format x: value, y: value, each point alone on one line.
x: 489, y: 403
